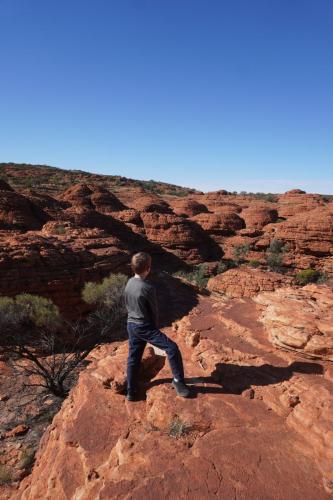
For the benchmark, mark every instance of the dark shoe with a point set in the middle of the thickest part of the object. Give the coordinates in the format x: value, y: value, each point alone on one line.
x: 131, y: 396
x: 181, y: 388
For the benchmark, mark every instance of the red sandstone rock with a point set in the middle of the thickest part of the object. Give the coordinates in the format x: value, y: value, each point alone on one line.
x: 222, y: 224
x: 185, y: 238
x: 149, y: 202
x: 92, y: 197
x: 171, y: 446
x: 246, y: 282
x: 297, y: 202
x: 256, y: 216
x: 301, y: 319
x: 17, y: 212
x: 310, y: 232
x: 188, y: 207
x: 17, y: 431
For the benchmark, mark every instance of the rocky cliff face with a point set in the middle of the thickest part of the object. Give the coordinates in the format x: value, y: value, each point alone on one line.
x: 53, y: 240
x: 259, y: 424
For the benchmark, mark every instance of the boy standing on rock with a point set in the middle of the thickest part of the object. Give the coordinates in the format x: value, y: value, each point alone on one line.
x: 142, y: 327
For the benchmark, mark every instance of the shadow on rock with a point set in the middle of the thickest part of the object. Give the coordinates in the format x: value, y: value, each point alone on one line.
x: 237, y: 378
x: 234, y: 379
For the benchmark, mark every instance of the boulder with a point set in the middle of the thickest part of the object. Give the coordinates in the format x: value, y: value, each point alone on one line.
x: 300, y: 319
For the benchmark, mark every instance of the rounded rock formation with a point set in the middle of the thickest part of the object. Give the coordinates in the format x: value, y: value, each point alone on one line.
x: 246, y: 282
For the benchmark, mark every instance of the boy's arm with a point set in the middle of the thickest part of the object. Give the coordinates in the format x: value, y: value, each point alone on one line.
x: 152, y: 299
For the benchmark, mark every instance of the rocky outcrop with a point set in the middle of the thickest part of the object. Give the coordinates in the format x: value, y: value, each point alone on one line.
x: 52, y: 266
x: 187, y: 207
x: 149, y: 202
x: 310, y: 232
x: 19, y: 213
x: 272, y: 416
x: 183, y: 237
x: 246, y: 282
x: 296, y: 201
x: 92, y: 197
x: 222, y: 224
x: 258, y: 215
x: 300, y: 320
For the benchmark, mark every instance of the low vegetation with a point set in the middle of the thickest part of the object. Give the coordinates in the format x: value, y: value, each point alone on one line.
x: 310, y: 276
x: 39, y: 343
x: 178, y: 428
x: 240, y: 252
x: 274, y: 255
x: 198, y: 276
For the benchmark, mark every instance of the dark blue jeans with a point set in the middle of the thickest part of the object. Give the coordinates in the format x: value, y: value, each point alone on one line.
x: 139, y: 335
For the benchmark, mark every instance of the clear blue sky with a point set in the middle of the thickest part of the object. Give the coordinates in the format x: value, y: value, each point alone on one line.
x: 234, y: 94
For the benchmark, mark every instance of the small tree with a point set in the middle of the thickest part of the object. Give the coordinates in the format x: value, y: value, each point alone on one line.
x: 40, y: 343
x: 108, y: 299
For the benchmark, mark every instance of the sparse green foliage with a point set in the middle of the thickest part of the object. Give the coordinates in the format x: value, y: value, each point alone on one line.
x: 240, y: 252
x: 254, y: 263
x: 274, y: 261
x: 224, y: 265
x: 198, y: 276
x: 310, y: 276
x: 107, y: 292
x: 27, y: 308
x: 108, y: 299
x: 274, y: 255
x: 178, y: 428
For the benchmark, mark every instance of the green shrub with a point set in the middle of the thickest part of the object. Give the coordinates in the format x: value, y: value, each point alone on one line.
x: 308, y: 276
x: 274, y: 255
x: 26, y: 308
x: 198, y: 276
x: 108, y: 299
x: 254, y: 263
x: 107, y: 292
x: 275, y: 261
x: 240, y: 251
x: 224, y: 265
x: 277, y: 246
x: 40, y: 311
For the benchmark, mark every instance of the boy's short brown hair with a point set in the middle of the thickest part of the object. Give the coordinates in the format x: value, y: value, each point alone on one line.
x: 140, y: 262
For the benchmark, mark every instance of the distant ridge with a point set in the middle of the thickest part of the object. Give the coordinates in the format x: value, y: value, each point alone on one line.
x: 53, y: 180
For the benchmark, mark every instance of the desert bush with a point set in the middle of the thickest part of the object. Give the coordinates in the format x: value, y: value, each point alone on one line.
x: 274, y: 255
x: 310, y: 276
x: 254, y: 263
x: 178, y: 428
x: 277, y: 246
x: 108, y: 299
x: 108, y: 292
x: 224, y: 265
x: 240, y: 252
x: 275, y: 261
x: 42, y: 312
x: 198, y: 276
x: 28, y: 309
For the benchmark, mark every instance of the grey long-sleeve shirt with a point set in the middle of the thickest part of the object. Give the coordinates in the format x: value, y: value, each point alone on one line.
x: 141, y: 301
